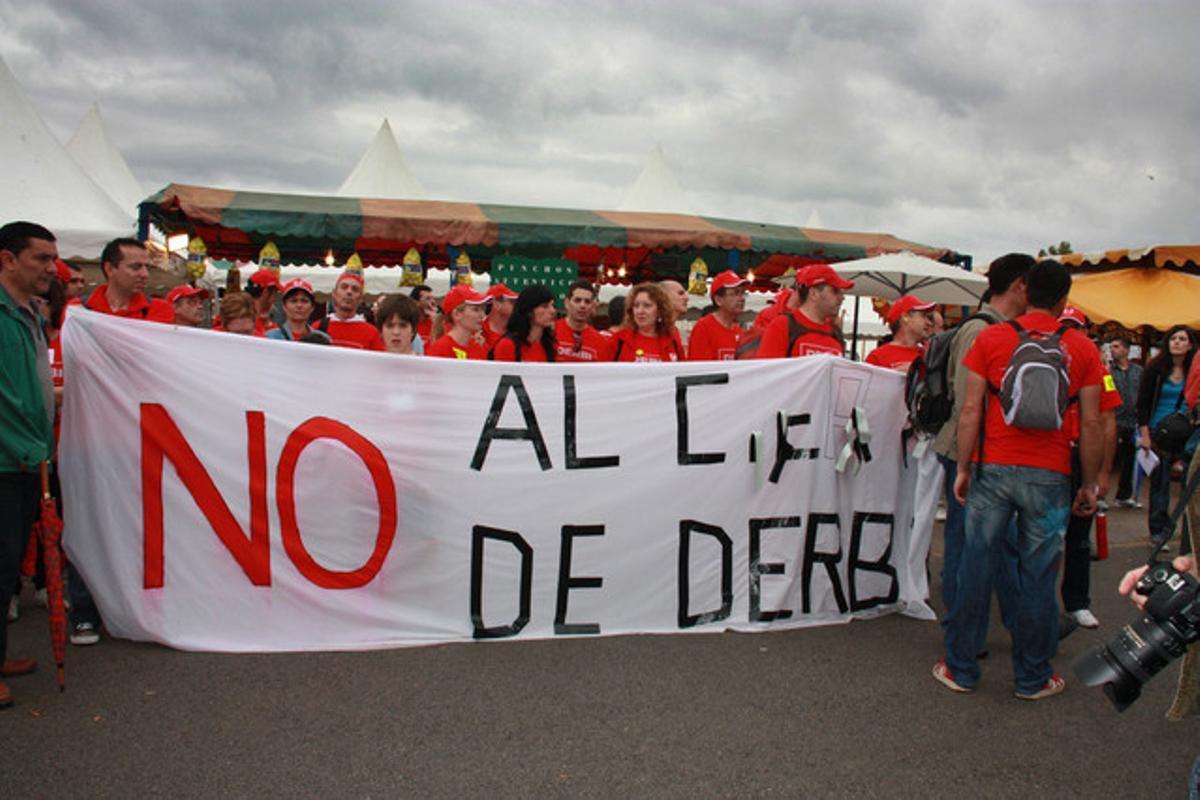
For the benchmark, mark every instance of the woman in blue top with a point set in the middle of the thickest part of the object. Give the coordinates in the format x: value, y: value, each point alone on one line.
x: 1161, y: 393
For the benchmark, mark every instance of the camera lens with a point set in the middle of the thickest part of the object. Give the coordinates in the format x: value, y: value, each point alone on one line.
x: 1133, y: 657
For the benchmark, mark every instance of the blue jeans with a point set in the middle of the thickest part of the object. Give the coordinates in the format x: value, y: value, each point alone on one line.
x: 1040, y: 499
x: 1004, y: 575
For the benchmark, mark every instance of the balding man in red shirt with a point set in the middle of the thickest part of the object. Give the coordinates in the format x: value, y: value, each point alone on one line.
x: 346, y: 327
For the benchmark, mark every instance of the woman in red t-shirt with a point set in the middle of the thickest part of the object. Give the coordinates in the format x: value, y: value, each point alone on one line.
x: 649, y: 331
x: 530, y: 332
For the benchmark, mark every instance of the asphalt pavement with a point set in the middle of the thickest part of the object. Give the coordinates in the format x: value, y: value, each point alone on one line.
x: 838, y: 711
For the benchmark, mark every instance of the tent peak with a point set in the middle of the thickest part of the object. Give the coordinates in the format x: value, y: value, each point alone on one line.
x: 382, y: 172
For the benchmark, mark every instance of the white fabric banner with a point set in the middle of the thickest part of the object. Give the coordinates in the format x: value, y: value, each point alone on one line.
x: 237, y: 494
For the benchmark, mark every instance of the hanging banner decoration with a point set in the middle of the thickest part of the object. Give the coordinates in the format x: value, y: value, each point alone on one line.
x: 354, y: 263
x: 261, y: 495
x: 197, y: 256
x: 462, y: 270
x: 268, y: 258
x: 556, y: 274
x: 412, y: 274
x: 698, y: 278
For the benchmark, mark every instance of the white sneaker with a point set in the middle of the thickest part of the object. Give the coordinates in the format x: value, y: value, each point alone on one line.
x: 84, y: 634
x: 1085, y: 618
x: 14, y: 609
x: 41, y: 599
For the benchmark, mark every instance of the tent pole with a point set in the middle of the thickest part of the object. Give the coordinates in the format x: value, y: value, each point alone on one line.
x: 854, y: 334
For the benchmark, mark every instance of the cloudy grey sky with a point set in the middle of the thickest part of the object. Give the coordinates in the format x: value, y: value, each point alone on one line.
x: 981, y: 126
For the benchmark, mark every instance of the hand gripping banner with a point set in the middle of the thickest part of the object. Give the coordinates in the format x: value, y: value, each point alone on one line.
x: 237, y: 494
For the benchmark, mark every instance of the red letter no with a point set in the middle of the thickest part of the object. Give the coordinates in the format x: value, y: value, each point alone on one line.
x: 161, y: 437
x: 385, y: 490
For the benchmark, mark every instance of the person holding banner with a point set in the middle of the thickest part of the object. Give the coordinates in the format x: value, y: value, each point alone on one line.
x: 27, y: 254
x: 238, y: 315
x: 126, y: 267
x: 648, y: 334
x: 187, y: 305
x: 530, y: 335
x: 911, y: 321
x: 463, y: 311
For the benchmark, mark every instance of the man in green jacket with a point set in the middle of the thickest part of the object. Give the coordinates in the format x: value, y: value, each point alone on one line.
x: 27, y: 254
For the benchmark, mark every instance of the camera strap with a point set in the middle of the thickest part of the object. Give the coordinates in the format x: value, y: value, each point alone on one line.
x: 1189, y: 489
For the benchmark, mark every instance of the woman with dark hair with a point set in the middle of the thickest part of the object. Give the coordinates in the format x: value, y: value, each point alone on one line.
x: 398, y: 317
x: 1161, y: 394
x: 648, y: 334
x: 530, y: 332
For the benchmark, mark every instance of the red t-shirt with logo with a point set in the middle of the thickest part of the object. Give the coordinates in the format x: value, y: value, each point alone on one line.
x: 506, y: 350
x: 588, y: 345
x: 988, y: 357
x: 1110, y: 400
x: 446, y: 347
x: 356, y: 334
x: 490, y: 337
x: 632, y: 346
x: 774, y: 342
x: 893, y: 356
x: 711, y: 340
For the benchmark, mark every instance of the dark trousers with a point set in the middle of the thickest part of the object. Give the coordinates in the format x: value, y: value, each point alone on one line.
x: 20, y: 493
x: 1125, y: 459
x: 1077, y: 549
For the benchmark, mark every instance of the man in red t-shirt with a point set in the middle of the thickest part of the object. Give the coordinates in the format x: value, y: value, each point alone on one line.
x: 820, y: 295
x: 264, y: 287
x: 463, y: 308
x: 496, y: 324
x: 126, y: 267
x: 717, y: 335
x: 911, y: 322
x: 347, y: 328
x: 1021, y: 472
x: 575, y: 338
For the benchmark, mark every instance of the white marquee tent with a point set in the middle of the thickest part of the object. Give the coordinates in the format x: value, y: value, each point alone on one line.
x: 381, y: 172
x: 656, y: 188
x: 93, y: 148
x: 44, y: 184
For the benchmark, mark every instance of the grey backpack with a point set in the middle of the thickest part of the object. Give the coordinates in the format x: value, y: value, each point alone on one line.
x: 1035, y: 390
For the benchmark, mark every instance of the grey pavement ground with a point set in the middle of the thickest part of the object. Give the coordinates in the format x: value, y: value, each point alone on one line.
x: 847, y: 710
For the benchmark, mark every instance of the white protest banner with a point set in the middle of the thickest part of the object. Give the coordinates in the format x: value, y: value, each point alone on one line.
x: 237, y: 494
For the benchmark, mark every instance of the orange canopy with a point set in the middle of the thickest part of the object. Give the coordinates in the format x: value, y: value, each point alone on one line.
x: 1140, y: 296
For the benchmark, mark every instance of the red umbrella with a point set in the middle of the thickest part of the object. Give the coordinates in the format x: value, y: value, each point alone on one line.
x: 49, y: 528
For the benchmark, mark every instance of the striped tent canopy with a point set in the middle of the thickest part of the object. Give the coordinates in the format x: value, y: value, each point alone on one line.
x: 1185, y: 257
x: 306, y: 228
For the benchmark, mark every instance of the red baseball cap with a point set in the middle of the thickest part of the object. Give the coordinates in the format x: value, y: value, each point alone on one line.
x: 500, y: 291
x: 1073, y: 314
x: 62, y: 270
x: 264, y: 278
x: 725, y: 280
x: 180, y: 292
x: 459, y: 295
x: 816, y: 274
x: 904, y: 305
x: 298, y: 285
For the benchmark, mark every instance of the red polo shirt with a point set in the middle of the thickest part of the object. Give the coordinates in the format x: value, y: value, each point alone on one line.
x: 506, y: 350
x: 140, y: 306
x: 893, y: 356
x: 357, y: 334
x: 632, y: 346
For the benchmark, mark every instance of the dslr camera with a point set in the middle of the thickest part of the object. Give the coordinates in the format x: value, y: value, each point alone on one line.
x: 1141, y: 650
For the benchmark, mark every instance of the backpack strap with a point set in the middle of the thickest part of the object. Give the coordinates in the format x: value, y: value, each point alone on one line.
x: 323, y: 325
x: 620, y: 347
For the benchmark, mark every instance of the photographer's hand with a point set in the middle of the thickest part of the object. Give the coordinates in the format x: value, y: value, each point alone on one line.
x: 1181, y: 564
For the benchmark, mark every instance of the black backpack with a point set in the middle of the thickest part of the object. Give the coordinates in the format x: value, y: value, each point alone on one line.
x: 928, y: 392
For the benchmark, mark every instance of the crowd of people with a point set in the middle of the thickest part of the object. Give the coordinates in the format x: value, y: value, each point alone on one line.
x: 1019, y: 502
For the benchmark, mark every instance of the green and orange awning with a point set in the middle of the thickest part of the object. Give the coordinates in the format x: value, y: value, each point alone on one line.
x: 235, y: 225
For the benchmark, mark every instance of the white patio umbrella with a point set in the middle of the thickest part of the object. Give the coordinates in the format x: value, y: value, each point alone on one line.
x: 894, y: 274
